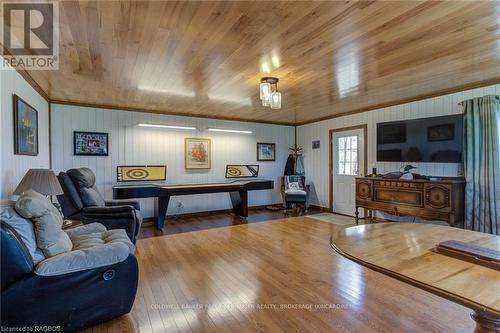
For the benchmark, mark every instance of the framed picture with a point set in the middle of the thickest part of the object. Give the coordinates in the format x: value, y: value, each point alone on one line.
x: 90, y: 143
x: 135, y: 173
x: 25, y: 128
x: 443, y: 132
x: 197, y: 153
x: 242, y: 171
x: 266, y: 152
x: 315, y: 144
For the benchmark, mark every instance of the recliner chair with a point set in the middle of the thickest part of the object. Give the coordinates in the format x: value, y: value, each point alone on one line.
x: 81, y: 201
x: 65, y: 301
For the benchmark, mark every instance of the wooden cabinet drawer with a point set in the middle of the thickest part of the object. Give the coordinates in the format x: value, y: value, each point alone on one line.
x: 363, y: 190
x: 399, y: 184
x: 409, y: 198
x: 437, y: 197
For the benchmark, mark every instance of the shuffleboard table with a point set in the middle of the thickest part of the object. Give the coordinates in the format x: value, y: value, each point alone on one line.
x: 238, y: 191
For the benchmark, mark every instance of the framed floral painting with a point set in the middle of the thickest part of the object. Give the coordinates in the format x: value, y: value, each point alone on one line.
x: 197, y: 153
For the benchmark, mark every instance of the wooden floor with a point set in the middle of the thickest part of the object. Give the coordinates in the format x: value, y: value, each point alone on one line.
x: 210, y: 220
x: 275, y: 276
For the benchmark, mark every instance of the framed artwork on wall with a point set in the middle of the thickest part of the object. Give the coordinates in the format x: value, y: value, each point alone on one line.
x: 90, y: 143
x: 25, y: 128
x: 242, y: 171
x: 266, y: 152
x: 197, y: 153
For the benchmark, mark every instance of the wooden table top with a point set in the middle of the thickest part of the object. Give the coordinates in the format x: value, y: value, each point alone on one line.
x: 404, y: 251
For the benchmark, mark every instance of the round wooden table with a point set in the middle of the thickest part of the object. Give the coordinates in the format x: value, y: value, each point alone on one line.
x: 405, y: 251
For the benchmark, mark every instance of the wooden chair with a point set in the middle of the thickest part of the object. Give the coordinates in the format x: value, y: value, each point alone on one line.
x: 295, y: 192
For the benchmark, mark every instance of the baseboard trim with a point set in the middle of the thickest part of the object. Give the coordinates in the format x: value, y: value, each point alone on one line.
x: 149, y: 220
x: 321, y: 208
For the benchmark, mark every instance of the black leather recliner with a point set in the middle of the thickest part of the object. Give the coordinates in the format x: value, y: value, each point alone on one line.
x: 81, y: 201
x: 61, y: 303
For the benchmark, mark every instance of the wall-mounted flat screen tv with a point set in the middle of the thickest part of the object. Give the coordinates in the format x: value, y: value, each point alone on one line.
x: 436, y: 139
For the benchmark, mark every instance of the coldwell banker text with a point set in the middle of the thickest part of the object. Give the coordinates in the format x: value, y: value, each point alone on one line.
x: 30, y: 35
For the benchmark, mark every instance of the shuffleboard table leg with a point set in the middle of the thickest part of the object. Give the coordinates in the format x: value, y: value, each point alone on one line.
x: 240, y: 203
x: 486, y: 322
x: 162, y: 211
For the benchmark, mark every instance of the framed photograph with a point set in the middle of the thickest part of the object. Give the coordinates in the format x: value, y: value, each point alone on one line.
x: 315, y: 144
x: 266, y: 152
x: 25, y: 128
x: 197, y: 153
x: 445, y: 132
x: 135, y: 173
x: 90, y: 143
x: 242, y: 171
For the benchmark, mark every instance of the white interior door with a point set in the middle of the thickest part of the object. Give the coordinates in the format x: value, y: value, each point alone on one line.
x: 348, y: 163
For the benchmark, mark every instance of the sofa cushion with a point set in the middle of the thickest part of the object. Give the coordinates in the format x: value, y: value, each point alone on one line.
x: 84, y: 181
x: 48, y: 222
x: 70, y: 191
x: 90, y: 250
x: 82, y: 177
x: 85, y: 229
x: 86, y: 241
x: 296, y: 192
x: 91, y: 197
x: 24, y: 228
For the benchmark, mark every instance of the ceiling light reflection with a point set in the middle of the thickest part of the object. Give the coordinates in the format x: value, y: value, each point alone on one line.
x: 265, y: 68
x: 176, y: 91
x: 276, y: 61
x: 347, y: 70
x: 230, y: 99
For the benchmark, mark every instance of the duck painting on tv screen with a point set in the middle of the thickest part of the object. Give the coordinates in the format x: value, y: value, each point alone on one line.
x: 436, y: 139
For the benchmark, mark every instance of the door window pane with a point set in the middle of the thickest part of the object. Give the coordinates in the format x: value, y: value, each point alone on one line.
x: 347, y: 155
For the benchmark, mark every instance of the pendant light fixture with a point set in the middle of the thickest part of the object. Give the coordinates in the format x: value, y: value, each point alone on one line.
x: 269, y: 96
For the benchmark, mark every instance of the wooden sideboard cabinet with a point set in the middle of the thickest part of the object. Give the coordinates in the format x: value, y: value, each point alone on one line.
x: 431, y: 200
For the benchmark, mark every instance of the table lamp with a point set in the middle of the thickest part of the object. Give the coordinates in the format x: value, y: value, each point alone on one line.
x: 44, y: 181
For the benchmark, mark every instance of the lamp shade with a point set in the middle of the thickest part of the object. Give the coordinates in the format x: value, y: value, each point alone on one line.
x: 44, y: 181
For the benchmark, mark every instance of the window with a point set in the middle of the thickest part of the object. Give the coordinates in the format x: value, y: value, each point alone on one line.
x: 347, y: 152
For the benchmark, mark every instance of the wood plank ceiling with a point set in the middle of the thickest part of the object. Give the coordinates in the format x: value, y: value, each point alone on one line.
x: 207, y: 58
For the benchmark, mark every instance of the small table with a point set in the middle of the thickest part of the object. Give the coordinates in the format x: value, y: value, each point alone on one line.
x: 405, y: 251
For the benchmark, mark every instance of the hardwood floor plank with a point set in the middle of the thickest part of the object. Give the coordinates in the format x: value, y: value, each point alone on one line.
x: 287, y: 265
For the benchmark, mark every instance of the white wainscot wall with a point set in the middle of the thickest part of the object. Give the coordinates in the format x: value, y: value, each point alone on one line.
x: 132, y: 145
x: 13, y: 167
x: 316, y: 161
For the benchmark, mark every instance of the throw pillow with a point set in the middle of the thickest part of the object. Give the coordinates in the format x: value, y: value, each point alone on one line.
x: 24, y: 228
x: 48, y: 223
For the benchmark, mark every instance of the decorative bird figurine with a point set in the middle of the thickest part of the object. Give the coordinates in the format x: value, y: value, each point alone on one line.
x: 409, y: 167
